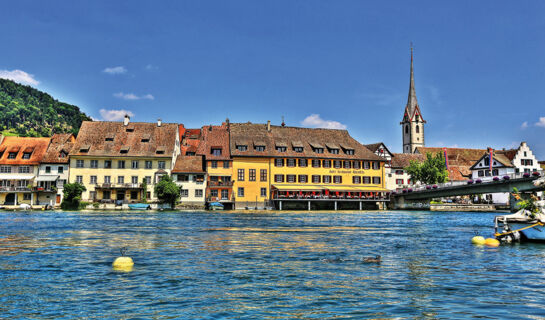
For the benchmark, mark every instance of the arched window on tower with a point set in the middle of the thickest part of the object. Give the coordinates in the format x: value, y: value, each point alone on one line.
x: 417, y: 129
x: 407, y: 128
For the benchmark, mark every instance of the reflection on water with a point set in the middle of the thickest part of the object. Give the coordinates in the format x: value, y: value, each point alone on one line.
x: 264, y: 266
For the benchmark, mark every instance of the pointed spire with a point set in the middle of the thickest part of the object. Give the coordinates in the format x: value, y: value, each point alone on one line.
x: 411, y: 101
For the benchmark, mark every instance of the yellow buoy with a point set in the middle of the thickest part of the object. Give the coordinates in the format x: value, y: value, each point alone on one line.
x: 491, y: 242
x: 123, y: 264
x: 478, y: 240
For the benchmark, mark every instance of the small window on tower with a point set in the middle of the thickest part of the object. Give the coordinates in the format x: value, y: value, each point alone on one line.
x: 407, y: 129
x: 417, y: 129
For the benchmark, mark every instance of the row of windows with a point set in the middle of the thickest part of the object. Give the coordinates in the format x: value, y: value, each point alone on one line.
x: 121, y: 164
x: 108, y: 179
x: 252, y: 175
x: 303, y: 178
x: 298, y: 149
x: 483, y: 173
x: 184, y: 193
x: 338, y: 164
x: 402, y: 181
x: 13, y: 155
x: 214, y: 164
x: 195, y: 178
x: 107, y: 195
x: 10, y: 169
x: 60, y: 169
x: 224, y: 194
x: 240, y: 192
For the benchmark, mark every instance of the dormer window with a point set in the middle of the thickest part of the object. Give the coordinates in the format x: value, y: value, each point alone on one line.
x: 129, y: 129
x: 242, y: 147
x: 109, y: 138
x: 26, y: 155
x: 84, y: 149
x: 333, y: 151
x: 318, y: 150
x: 124, y: 150
x: 145, y: 138
x: 215, y: 151
x: 281, y: 149
x: 259, y: 148
x: 12, y: 155
x: 298, y: 149
x: 297, y: 146
x: 63, y: 154
x: 332, y: 148
x: 188, y: 153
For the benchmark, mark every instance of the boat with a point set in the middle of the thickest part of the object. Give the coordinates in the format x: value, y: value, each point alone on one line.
x: 523, y: 225
x: 139, y: 206
x: 215, y: 206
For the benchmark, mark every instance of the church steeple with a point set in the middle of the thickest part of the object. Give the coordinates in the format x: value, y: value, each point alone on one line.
x: 413, y: 123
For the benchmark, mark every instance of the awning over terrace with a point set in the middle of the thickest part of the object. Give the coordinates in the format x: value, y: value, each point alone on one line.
x: 4, y: 176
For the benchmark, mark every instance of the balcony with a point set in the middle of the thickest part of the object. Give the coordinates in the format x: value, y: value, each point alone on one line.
x: 220, y: 183
x: 118, y: 186
x: 26, y: 189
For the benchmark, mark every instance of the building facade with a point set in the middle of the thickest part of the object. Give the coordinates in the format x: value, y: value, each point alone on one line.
x: 412, y: 125
x: 54, y: 168
x: 113, y: 159
x: 189, y: 175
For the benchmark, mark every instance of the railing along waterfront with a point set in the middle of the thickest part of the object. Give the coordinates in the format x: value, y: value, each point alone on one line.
x: 26, y: 189
x: 479, y: 180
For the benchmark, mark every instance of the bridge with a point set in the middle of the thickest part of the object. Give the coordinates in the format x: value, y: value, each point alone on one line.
x: 406, y: 197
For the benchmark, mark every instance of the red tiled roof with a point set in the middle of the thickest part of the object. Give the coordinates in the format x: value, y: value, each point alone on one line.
x: 20, y: 145
x: 402, y: 160
x: 188, y: 164
x: 59, y: 148
x: 214, y: 137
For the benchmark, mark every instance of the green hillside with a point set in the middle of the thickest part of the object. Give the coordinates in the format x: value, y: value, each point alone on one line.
x: 28, y: 112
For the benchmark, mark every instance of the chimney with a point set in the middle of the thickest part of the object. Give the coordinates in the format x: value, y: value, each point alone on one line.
x: 283, y: 124
x: 159, y: 122
x: 269, y: 125
x: 126, y: 120
x: 228, y: 123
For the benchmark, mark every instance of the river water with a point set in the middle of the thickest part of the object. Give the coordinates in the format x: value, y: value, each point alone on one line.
x: 201, y: 265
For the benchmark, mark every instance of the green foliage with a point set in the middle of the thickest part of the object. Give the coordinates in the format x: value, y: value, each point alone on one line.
x: 72, y: 196
x: 28, y: 112
x: 167, y: 191
x: 529, y: 204
x: 144, y: 190
x: 432, y: 170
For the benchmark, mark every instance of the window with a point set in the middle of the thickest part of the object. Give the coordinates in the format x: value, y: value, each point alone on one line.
x: 315, y: 178
x: 5, y: 169
x: 198, y: 193
x: 148, y: 179
x: 79, y: 163
x: 318, y: 150
x: 107, y: 164
x: 303, y: 163
x: 356, y: 164
x: 148, y: 164
x: 326, y: 179
x: 337, y: 164
x: 525, y: 153
x: 134, y: 195
x: 356, y: 179
x: 251, y: 174
x: 487, y: 173
x: 93, y: 179
x: 213, y: 164
x: 214, y: 193
x: 417, y: 129
x: 240, y: 175
x: 334, y: 151
x: 315, y: 163
x: 349, y: 152
x: 281, y: 149
x: 224, y: 194
x: 303, y: 178
x: 487, y: 161
x: 366, y: 165
x: 346, y: 164
x: 121, y: 164
x: 298, y: 149
x: 259, y: 148
x: 134, y: 164
x: 184, y: 193
x: 25, y: 169
x: 12, y: 155
x: 263, y: 192
x: 79, y: 179
x: 216, y: 151
x: 495, y: 172
x: 290, y: 178
x: 107, y: 179
x: 242, y: 148
x: 106, y: 195
x: 366, y: 180
x: 134, y: 179
x: 278, y: 178
x: 263, y: 175
x: 376, y: 180
x: 399, y: 172
x: 407, y: 128
x: 376, y: 165
x: 26, y: 155
x: 183, y: 178
x: 337, y: 179
x: 109, y: 139
x: 291, y: 162
x: 278, y: 162
x: 161, y: 164
x: 26, y: 196
x: 240, y: 192
x: 399, y: 181
x: 120, y: 179
x: 327, y: 163
x: 225, y: 164
x: 94, y: 163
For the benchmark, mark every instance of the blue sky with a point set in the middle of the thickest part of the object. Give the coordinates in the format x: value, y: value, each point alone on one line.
x: 479, y: 65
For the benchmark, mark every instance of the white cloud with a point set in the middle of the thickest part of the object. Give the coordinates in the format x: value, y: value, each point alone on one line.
x: 524, y: 125
x: 19, y: 76
x: 115, y: 70
x: 541, y: 122
x: 115, y: 115
x: 315, y: 121
x: 132, y: 96
x: 151, y: 67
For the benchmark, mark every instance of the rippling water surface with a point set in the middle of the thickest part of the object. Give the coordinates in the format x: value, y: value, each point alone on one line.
x: 264, y: 266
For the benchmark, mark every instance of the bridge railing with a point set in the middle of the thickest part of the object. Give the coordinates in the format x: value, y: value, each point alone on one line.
x: 519, y: 175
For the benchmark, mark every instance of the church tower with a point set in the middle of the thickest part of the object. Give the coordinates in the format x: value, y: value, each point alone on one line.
x: 412, y: 126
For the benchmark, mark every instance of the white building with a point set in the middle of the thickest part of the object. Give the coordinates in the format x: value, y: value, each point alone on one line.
x: 396, y: 175
x: 189, y: 174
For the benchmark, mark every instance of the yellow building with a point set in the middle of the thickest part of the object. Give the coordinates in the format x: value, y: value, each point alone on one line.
x: 291, y: 167
x: 112, y: 159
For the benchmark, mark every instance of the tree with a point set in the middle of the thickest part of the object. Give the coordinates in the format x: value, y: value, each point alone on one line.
x: 432, y: 170
x: 167, y: 191
x: 72, y: 196
x: 144, y: 190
